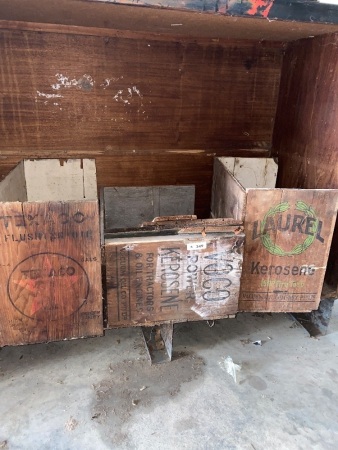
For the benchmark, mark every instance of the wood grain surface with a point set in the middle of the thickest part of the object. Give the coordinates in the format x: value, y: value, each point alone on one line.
x: 209, y: 19
x: 156, y: 109
x: 107, y: 94
x: 174, y: 278
x: 228, y: 195
x: 306, y: 131
x: 286, y: 250
x: 50, y: 272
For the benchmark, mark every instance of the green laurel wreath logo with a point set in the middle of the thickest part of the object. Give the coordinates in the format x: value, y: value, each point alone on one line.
x: 299, y: 248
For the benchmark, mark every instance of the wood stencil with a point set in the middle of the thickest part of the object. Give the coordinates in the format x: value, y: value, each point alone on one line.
x: 50, y: 271
x: 288, y: 238
x: 173, y: 278
x: 288, y: 234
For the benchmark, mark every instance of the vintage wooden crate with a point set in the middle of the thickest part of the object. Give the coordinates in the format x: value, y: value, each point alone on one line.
x: 288, y: 234
x: 50, y: 275
x: 129, y: 206
x: 192, y: 274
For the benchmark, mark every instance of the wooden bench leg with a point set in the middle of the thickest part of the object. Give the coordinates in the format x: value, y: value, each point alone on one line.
x: 159, y: 342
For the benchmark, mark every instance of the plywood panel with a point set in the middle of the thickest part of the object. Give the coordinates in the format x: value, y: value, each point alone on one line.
x: 102, y: 95
x: 306, y: 132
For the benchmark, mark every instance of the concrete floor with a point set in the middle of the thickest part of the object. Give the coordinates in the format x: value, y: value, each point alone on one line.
x: 101, y: 393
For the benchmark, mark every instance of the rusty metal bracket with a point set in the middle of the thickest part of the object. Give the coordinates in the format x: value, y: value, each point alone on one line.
x: 159, y: 342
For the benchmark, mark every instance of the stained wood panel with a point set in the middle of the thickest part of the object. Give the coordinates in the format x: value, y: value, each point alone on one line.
x: 50, y: 274
x: 103, y: 95
x: 151, y: 112
x: 186, y: 277
x: 288, y: 237
x: 306, y: 131
x: 193, y: 19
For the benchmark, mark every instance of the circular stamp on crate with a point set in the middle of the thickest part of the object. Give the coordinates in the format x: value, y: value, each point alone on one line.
x: 48, y: 286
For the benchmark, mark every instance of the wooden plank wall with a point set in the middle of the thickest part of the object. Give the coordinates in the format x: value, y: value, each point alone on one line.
x: 152, y: 111
x: 306, y: 129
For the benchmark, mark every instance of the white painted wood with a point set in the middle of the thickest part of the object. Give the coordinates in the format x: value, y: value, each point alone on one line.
x: 252, y: 172
x: 13, y: 187
x: 53, y: 180
x: 89, y: 179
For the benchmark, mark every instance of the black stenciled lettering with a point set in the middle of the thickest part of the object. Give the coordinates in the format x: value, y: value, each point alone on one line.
x: 269, y: 225
x: 65, y: 220
x: 286, y: 270
x: 169, y: 275
x: 255, y: 233
x: 173, y: 254
x: 192, y: 268
x: 217, y: 269
x: 255, y: 267
x: 216, y: 296
x: 79, y: 217
x: 298, y: 222
x: 32, y: 219
x: 208, y: 284
x: 309, y: 224
x: 62, y: 272
x: 193, y: 259
x: 319, y: 229
x: 305, y: 269
x: 278, y: 270
x: 294, y: 270
x: 20, y: 221
x: 6, y: 220
x: 264, y: 270
x: 280, y: 227
x: 311, y: 269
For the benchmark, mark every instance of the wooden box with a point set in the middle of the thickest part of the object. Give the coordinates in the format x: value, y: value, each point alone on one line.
x: 123, y: 207
x: 193, y: 274
x: 288, y: 235
x: 50, y: 273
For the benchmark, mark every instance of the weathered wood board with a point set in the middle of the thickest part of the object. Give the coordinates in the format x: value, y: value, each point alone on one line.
x: 126, y: 207
x: 50, y: 271
x: 57, y: 180
x: 100, y: 95
x: 228, y: 195
x: 147, y: 107
x: 288, y: 238
x: 288, y: 235
x: 252, y: 172
x: 102, y: 18
x: 173, y: 278
x: 306, y: 131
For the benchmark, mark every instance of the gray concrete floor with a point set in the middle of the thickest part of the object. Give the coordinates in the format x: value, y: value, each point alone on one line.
x: 101, y: 393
